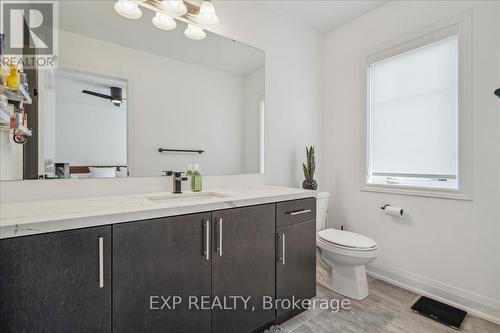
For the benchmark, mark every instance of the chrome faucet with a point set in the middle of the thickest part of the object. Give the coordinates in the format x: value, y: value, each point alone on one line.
x: 177, y: 180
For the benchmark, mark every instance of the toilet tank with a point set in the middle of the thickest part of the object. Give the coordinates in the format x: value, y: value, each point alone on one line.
x: 321, y: 210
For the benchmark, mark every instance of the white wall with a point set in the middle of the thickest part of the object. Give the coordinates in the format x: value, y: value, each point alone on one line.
x: 449, y: 248
x: 293, y: 84
x: 254, y: 90
x: 89, y: 131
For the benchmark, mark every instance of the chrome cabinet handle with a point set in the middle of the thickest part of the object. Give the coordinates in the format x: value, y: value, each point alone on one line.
x: 101, y: 262
x: 283, y: 248
x: 207, y: 240
x: 298, y: 212
x: 219, y: 249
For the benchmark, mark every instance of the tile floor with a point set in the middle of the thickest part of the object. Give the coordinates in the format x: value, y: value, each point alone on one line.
x: 387, y: 310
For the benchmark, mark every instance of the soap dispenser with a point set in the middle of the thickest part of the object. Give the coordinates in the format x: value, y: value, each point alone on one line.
x: 196, y: 184
x: 189, y: 171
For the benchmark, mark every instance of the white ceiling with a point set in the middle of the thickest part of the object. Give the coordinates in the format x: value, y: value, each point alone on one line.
x: 324, y: 15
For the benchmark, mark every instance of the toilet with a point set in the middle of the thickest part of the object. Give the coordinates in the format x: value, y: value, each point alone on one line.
x: 341, y: 256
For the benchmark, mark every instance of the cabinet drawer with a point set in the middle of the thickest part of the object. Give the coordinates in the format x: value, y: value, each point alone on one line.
x: 296, y: 211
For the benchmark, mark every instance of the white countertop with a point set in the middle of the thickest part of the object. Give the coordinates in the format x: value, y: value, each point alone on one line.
x: 35, y: 217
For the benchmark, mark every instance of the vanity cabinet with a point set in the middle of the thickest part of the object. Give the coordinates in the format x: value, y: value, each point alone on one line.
x: 158, y: 258
x: 243, y: 265
x: 167, y: 274
x: 57, y: 282
x: 168, y: 257
x: 295, y: 254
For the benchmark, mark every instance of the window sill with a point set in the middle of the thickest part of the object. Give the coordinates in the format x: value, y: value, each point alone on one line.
x: 417, y: 191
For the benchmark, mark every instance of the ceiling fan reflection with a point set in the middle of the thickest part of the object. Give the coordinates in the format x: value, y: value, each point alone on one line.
x: 116, y: 95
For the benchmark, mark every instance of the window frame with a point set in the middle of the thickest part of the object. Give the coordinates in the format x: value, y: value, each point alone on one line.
x: 456, y: 26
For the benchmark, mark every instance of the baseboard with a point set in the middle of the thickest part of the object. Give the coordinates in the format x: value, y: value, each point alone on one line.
x: 477, y: 305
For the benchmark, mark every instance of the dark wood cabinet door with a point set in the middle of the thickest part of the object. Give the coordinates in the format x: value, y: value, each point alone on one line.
x: 244, y: 268
x: 52, y: 282
x: 296, y: 263
x: 155, y: 258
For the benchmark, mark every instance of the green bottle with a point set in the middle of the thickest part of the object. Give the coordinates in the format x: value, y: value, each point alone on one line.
x: 196, y: 179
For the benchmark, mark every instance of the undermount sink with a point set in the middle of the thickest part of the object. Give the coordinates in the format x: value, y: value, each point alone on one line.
x: 186, y: 197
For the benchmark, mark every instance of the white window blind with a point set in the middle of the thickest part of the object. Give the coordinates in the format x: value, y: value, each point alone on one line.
x: 413, y: 114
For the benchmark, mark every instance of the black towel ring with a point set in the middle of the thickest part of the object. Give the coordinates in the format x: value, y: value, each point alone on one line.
x: 497, y: 92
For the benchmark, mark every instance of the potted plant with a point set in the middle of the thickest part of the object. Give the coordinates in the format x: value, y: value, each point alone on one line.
x: 309, y: 183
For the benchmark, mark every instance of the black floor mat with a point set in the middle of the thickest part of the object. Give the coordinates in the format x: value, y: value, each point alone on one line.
x: 440, y: 312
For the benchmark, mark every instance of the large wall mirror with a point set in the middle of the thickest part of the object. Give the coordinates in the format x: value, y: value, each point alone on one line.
x: 129, y: 99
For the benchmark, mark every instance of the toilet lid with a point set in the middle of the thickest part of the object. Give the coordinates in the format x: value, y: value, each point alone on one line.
x: 346, y: 238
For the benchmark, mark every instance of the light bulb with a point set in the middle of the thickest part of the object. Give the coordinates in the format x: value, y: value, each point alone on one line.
x: 207, y: 15
x: 128, y: 9
x: 194, y: 32
x: 174, y: 7
x: 164, y: 22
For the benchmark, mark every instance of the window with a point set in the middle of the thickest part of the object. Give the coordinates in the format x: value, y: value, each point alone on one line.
x: 413, y: 116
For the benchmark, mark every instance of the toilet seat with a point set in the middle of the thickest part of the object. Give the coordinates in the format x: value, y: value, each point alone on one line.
x: 347, y: 240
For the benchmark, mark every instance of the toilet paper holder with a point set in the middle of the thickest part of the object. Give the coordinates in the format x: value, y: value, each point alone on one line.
x: 395, y: 211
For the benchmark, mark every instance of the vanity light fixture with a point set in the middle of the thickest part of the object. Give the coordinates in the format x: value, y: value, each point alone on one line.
x: 129, y: 9
x: 207, y: 15
x: 164, y: 22
x: 174, y: 7
x: 194, y: 32
x: 197, y: 18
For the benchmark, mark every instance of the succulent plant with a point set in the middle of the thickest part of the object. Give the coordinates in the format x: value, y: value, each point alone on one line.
x: 311, y: 164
